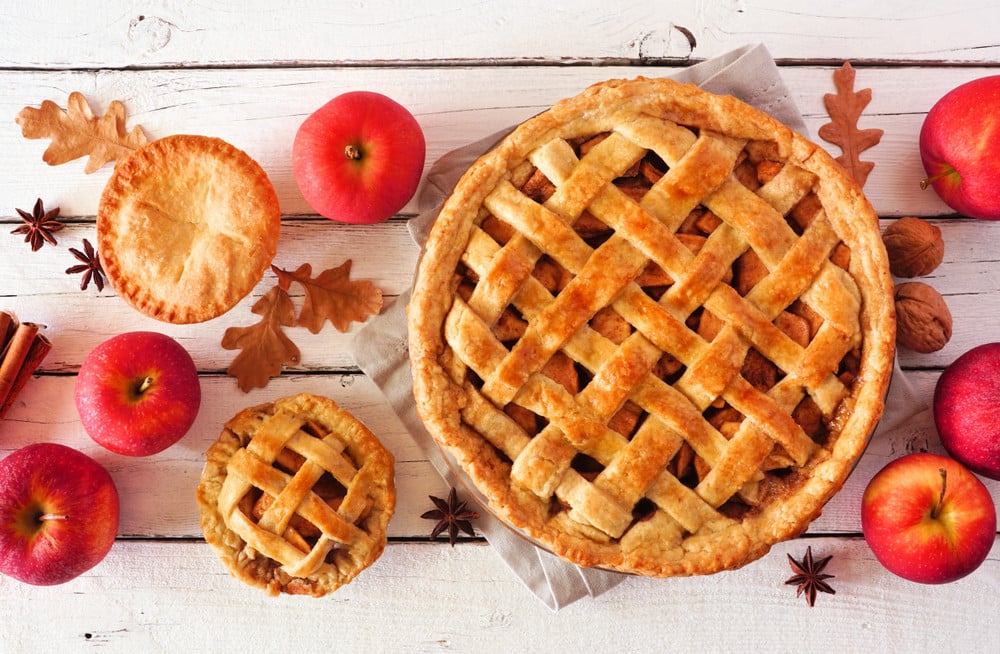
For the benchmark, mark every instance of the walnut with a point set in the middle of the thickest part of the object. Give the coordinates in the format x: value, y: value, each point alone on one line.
x: 923, y: 322
x: 915, y: 247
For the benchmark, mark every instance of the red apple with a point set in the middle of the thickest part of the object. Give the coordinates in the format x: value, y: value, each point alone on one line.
x: 960, y: 148
x: 928, y: 519
x: 58, y: 514
x: 967, y: 409
x: 358, y: 158
x: 138, y: 393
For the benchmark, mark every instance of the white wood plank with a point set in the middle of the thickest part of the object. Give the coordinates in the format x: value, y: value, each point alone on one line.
x: 446, y: 61
x: 127, y: 33
x: 33, y: 285
x: 157, y: 492
x: 419, y: 598
x: 260, y: 110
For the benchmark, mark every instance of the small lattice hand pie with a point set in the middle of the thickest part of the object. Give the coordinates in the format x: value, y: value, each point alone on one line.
x: 654, y: 327
x: 296, y: 496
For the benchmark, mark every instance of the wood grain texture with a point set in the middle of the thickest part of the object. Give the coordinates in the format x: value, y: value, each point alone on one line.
x: 249, y: 73
x: 157, y: 492
x: 177, y: 597
x: 259, y: 110
x: 968, y: 279
x: 130, y: 34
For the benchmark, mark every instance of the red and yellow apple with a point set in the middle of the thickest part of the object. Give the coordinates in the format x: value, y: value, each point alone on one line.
x: 928, y: 518
x: 967, y: 409
x: 58, y: 514
x: 960, y: 148
x: 359, y: 157
x: 138, y: 393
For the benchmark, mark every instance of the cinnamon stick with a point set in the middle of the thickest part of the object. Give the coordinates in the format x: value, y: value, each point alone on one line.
x: 40, y: 347
x: 14, y: 356
x: 8, y: 323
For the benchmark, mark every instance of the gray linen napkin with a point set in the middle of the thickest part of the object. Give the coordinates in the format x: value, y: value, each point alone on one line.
x: 380, y: 348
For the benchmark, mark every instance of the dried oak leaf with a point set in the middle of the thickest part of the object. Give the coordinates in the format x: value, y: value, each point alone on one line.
x: 76, y: 132
x: 332, y: 296
x: 845, y: 108
x: 265, y: 347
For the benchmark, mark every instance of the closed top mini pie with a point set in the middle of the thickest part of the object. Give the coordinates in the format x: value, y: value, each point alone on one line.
x: 655, y: 328
x: 186, y: 227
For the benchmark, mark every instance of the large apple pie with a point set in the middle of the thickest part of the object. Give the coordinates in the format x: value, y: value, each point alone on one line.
x: 296, y: 496
x: 654, y: 327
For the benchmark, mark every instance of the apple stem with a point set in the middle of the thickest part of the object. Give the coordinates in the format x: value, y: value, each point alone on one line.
x: 352, y: 152
x: 924, y: 183
x: 146, y: 383
x: 53, y: 516
x: 944, y: 484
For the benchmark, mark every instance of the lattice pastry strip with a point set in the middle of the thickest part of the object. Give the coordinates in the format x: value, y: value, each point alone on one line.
x: 586, y: 346
x: 542, y: 463
x: 669, y: 311
x: 295, y: 495
x: 593, y: 286
x: 554, y: 160
x: 590, y: 348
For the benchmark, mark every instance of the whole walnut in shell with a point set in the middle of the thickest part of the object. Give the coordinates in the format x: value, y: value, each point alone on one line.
x: 923, y: 321
x: 914, y: 246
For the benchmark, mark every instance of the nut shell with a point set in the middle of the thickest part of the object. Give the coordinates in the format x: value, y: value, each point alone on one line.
x: 923, y: 321
x: 915, y: 247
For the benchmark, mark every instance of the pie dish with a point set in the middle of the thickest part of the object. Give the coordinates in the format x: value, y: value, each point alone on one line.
x: 186, y: 227
x: 654, y: 327
x: 296, y: 495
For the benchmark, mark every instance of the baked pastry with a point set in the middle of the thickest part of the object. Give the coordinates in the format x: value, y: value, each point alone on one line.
x: 186, y: 227
x: 654, y: 327
x: 296, y: 495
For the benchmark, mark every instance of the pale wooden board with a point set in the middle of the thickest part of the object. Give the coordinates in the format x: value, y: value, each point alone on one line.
x: 38, y: 290
x: 124, y: 33
x: 259, y: 110
x: 34, y: 286
x: 157, y: 492
x: 281, y: 62
x: 419, y: 598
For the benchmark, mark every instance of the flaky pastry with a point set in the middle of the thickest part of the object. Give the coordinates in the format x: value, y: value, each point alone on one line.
x: 654, y: 327
x: 296, y: 496
x: 186, y: 227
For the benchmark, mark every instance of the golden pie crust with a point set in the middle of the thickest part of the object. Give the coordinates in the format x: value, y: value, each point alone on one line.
x: 186, y: 227
x: 654, y: 327
x: 296, y: 496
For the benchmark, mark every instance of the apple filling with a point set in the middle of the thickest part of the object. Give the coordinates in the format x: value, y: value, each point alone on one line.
x: 299, y: 531
x: 296, y: 495
x: 798, y: 322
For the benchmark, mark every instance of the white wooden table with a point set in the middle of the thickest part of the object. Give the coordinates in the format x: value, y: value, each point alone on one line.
x: 249, y: 73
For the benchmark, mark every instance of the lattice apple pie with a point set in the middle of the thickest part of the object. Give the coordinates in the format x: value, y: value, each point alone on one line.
x: 654, y: 326
x: 296, y: 495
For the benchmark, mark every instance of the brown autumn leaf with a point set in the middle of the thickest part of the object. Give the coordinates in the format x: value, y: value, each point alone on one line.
x: 332, y: 296
x: 76, y: 132
x: 845, y: 109
x: 265, y: 347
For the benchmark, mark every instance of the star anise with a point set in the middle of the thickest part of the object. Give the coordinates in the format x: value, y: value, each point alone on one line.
x: 451, y: 515
x: 809, y: 576
x: 39, y: 225
x: 90, y: 266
